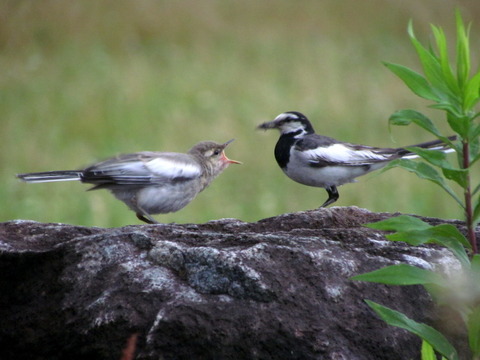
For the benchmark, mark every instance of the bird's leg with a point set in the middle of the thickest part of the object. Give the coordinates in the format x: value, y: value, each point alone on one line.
x: 141, y: 213
x: 332, y: 195
x: 146, y: 218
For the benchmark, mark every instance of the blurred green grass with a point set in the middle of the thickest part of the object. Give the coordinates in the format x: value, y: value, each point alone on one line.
x: 82, y: 81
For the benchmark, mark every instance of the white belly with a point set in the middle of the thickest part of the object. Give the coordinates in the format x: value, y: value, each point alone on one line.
x: 327, y: 175
x: 159, y: 199
x: 165, y: 199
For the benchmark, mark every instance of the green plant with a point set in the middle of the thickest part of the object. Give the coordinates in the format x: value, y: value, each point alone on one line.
x: 456, y: 93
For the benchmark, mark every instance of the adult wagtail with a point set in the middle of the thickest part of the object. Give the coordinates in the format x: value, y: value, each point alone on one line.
x: 150, y: 182
x: 320, y: 161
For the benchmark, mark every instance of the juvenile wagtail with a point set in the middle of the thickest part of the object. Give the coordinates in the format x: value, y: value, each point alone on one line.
x: 150, y: 182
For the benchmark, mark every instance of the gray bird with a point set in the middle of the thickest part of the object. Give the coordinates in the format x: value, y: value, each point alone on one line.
x: 150, y: 182
x: 320, y: 161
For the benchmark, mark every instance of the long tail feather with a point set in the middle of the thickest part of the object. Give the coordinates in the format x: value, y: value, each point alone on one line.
x: 50, y: 176
x: 430, y: 145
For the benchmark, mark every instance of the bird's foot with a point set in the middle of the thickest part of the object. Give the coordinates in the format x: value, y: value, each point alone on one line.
x: 332, y: 196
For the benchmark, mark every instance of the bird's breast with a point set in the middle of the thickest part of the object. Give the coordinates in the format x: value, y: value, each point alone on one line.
x: 330, y: 175
x: 161, y: 199
x: 283, y: 148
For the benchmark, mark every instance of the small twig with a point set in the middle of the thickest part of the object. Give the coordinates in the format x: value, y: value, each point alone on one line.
x: 128, y: 352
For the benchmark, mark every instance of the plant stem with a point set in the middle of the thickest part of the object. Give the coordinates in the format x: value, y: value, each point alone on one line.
x: 468, y: 199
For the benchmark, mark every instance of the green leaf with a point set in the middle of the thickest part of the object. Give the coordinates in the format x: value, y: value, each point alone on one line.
x: 474, y: 148
x: 445, y: 235
x: 457, y: 175
x: 438, y: 158
x: 450, y: 105
x: 473, y: 325
x: 476, y: 190
x: 460, y: 124
x: 400, y: 223
x: 416, y: 232
x: 449, y: 231
x: 405, y: 117
x: 476, y: 211
x: 450, y: 237
x: 434, y: 157
x: 402, y: 274
x: 431, y: 65
x: 427, y: 333
x: 424, y: 171
x: 447, y: 73
x: 414, y: 81
x: 463, y: 50
x: 427, y: 351
x: 471, y: 93
x: 474, y: 131
x: 414, y: 237
x: 401, y: 118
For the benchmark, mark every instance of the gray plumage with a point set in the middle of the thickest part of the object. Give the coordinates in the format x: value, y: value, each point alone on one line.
x: 150, y: 182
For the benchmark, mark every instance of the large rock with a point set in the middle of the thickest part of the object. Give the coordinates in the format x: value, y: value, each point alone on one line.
x: 275, y: 289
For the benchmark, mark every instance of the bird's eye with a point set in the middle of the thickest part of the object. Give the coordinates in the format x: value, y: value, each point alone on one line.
x: 217, y: 151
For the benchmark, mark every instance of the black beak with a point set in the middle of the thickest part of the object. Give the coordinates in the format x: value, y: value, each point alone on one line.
x: 228, y: 142
x: 267, y: 125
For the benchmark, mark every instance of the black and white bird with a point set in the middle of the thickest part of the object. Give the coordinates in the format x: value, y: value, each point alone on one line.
x: 150, y: 182
x: 320, y: 161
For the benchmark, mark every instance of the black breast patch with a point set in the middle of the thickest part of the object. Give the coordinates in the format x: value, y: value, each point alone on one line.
x: 282, y: 149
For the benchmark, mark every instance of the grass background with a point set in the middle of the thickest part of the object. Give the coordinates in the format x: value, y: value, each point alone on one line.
x: 84, y: 80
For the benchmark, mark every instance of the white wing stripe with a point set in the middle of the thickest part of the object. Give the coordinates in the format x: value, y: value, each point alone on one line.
x: 172, y: 169
x: 339, y: 153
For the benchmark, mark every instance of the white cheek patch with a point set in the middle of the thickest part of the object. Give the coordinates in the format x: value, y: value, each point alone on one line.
x: 171, y: 169
x: 292, y: 126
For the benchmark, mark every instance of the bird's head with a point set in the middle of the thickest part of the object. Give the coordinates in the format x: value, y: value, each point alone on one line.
x: 212, y: 156
x: 290, y: 122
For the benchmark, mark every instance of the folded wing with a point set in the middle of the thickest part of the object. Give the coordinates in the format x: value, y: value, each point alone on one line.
x: 142, y: 168
x: 344, y: 154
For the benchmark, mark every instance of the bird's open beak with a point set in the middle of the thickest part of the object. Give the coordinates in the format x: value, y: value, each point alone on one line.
x: 230, y: 161
x: 267, y: 125
x: 225, y: 158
